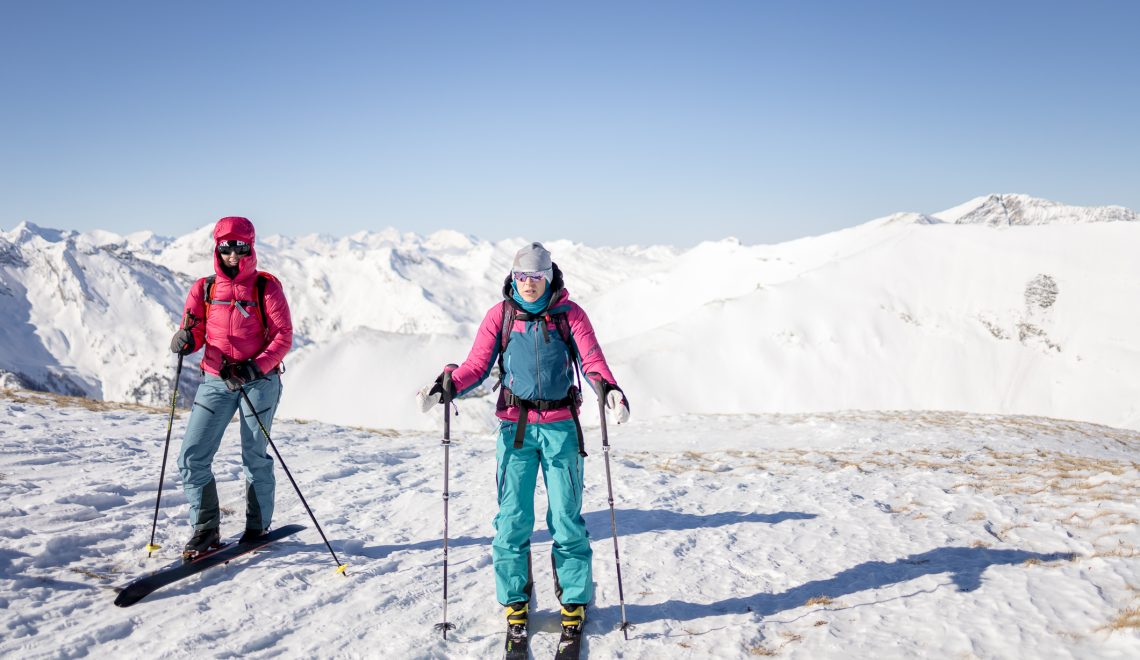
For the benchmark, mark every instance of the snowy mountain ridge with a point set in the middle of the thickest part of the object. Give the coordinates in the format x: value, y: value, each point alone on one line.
x: 1010, y: 210
x: 911, y: 311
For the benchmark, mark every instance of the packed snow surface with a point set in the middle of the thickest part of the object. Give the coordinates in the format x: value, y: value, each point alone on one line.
x: 827, y: 535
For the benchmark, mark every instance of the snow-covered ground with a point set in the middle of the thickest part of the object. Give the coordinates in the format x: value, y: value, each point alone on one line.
x: 829, y: 535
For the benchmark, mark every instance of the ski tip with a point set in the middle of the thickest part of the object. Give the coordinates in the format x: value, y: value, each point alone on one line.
x: 151, y: 547
x: 341, y: 569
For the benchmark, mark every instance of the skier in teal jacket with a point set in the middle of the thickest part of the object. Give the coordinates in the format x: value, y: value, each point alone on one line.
x: 539, y: 338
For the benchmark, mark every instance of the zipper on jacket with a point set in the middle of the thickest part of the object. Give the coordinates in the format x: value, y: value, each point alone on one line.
x: 538, y: 363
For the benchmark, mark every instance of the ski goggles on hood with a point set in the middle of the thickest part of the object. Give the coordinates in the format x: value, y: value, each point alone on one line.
x: 227, y: 247
x: 523, y: 276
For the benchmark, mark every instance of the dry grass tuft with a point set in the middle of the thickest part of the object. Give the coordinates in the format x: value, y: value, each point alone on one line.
x: 819, y: 600
x: 1123, y: 552
x: 50, y: 398
x: 1129, y: 618
x: 92, y: 574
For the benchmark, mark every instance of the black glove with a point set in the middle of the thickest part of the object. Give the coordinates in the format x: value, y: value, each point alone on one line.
x: 239, y: 373
x: 182, y: 342
x: 437, y: 388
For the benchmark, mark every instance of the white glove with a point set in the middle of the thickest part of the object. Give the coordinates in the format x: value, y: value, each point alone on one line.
x: 615, y: 401
x: 427, y: 398
x: 433, y: 394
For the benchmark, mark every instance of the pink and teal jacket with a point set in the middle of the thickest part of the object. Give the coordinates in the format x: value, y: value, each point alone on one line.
x: 230, y: 335
x: 536, y: 363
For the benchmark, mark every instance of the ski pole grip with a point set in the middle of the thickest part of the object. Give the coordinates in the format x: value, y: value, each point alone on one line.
x: 597, y: 383
x: 445, y: 396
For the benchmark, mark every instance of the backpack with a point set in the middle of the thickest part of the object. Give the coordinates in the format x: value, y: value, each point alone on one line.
x: 263, y: 279
x: 561, y: 322
x: 573, y: 397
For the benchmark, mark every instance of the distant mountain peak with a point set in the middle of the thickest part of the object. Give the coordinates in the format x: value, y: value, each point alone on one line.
x: 1005, y: 210
x: 26, y: 231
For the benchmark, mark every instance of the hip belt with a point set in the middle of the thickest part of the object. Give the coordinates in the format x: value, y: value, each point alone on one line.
x: 571, y: 401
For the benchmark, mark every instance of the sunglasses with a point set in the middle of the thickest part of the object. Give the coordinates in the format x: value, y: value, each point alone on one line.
x: 525, y: 276
x: 229, y: 247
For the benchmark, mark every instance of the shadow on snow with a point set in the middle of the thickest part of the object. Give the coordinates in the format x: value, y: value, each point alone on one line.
x: 629, y: 521
x: 964, y: 565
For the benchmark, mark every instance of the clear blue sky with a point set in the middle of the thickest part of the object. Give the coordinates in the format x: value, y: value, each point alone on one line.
x: 604, y: 122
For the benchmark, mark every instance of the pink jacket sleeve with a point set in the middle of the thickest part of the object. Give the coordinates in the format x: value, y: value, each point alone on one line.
x: 484, y: 352
x: 589, y: 351
x: 279, y: 326
x: 194, y: 314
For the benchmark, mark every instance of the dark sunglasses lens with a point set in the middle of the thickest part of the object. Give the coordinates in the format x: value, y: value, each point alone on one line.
x: 230, y: 249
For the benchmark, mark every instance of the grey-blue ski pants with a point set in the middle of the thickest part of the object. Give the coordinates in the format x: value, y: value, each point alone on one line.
x: 214, y: 407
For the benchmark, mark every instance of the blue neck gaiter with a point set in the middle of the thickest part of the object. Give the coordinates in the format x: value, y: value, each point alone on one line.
x: 531, y: 307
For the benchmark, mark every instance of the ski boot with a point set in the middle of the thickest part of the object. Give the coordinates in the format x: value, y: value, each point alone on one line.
x: 570, y: 643
x: 252, y: 534
x: 573, y: 616
x: 203, y: 541
x: 516, y: 648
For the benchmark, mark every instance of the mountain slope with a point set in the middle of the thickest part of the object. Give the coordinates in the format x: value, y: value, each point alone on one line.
x: 939, y: 317
x: 960, y: 309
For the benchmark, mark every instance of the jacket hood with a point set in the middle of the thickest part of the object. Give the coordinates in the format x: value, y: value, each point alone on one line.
x: 236, y: 228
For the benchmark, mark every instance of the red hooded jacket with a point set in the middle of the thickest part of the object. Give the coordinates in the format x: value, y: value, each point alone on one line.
x: 229, y: 335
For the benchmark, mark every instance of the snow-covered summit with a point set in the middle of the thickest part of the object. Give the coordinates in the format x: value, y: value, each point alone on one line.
x: 1007, y: 210
x: 29, y: 231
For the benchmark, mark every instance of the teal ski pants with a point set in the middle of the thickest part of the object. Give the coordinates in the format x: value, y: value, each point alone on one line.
x: 214, y: 407
x: 553, y: 447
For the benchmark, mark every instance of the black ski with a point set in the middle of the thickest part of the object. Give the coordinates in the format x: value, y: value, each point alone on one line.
x: 570, y: 644
x: 517, y: 643
x: 143, y: 587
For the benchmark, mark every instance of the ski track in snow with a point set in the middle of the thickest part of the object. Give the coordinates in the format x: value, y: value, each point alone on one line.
x: 884, y: 534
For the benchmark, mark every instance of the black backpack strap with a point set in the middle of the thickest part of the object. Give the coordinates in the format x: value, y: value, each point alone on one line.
x: 562, y: 322
x: 504, y: 337
x: 577, y: 423
x: 262, y: 282
x: 520, y: 427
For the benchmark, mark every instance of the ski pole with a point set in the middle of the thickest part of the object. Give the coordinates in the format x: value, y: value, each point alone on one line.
x: 152, y: 546
x: 340, y: 568
x: 188, y: 321
x: 601, y: 388
x: 445, y: 398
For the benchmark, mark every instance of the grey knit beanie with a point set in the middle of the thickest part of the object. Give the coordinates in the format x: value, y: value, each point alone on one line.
x: 532, y: 258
